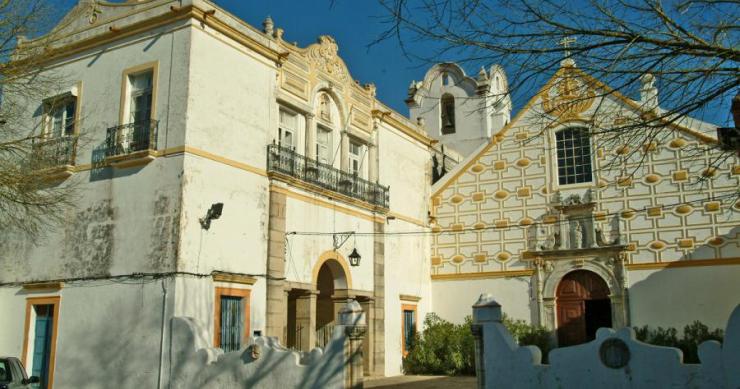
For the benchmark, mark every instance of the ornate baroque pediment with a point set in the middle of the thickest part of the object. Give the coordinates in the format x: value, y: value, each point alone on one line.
x: 568, y: 98
x: 323, y: 55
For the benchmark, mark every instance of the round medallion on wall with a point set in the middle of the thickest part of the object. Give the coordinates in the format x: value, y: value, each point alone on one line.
x: 614, y: 353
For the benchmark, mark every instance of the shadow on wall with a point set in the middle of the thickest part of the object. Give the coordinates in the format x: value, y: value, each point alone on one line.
x: 676, y: 296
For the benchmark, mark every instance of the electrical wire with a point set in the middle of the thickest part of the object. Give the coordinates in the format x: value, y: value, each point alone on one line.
x: 534, y: 224
x: 137, y: 276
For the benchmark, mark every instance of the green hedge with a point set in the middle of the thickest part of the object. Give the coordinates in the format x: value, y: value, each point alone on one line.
x: 693, y: 335
x: 444, y: 348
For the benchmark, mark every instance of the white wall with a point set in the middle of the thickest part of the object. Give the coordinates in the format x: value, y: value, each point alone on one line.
x: 677, y: 297
x: 452, y: 298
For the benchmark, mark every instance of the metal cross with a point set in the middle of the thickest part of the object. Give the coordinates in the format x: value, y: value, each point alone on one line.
x: 565, y: 42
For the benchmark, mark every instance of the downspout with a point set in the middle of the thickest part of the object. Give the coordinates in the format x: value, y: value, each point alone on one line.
x: 161, y: 335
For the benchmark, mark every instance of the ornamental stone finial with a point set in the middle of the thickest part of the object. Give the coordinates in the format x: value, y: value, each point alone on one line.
x: 268, y: 26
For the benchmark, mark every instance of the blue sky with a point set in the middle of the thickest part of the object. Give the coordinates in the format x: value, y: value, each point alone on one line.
x: 355, y: 24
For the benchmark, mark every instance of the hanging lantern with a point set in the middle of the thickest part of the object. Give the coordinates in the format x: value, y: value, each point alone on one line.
x: 354, y: 258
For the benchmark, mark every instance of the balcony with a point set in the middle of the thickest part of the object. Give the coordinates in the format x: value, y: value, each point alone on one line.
x: 283, y: 161
x: 54, y: 158
x: 132, y: 144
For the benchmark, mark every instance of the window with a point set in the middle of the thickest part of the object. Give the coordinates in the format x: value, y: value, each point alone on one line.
x: 287, y: 129
x: 231, y: 318
x: 5, y: 374
x: 409, y: 327
x: 40, y: 338
x: 445, y: 79
x: 140, y: 97
x: 448, y: 114
x: 60, y: 117
x: 323, y: 145
x: 355, y: 157
x: 574, y: 156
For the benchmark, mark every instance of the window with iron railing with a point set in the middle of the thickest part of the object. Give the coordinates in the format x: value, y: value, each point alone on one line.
x: 130, y: 138
x: 286, y: 161
x: 49, y: 153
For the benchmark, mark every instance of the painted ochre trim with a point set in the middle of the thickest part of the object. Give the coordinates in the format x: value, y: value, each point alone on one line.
x: 326, y: 204
x: 408, y: 297
x: 30, y: 302
x: 408, y: 307
x: 631, y: 267
x: 684, y: 263
x: 236, y: 292
x: 326, y: 256
x: 483, y: 275
x: 126, y: 90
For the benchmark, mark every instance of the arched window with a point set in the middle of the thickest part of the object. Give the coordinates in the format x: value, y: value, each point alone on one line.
x: 447, y: 104
x: 574, y: 156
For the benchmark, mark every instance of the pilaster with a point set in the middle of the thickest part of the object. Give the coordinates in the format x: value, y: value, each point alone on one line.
x: 277, y: 310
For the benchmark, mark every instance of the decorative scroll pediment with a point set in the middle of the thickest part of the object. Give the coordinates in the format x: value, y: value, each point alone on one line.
x: 323, y: 55
x: 568, y: 98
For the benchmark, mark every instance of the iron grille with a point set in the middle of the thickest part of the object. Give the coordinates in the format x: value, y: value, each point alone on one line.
x: 131, y: 137
x: 287, y: 161
x: 55, y: 152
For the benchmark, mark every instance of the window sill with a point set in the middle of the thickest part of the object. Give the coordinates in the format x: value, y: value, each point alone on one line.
x: 139, y: 158
x: 56, y: 174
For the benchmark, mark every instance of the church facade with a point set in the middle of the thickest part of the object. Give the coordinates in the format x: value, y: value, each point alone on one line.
x: 543, y: 218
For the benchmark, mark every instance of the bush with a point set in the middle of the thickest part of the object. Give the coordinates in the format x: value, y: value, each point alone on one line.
x: 693, y: 335
x: 444, y: 348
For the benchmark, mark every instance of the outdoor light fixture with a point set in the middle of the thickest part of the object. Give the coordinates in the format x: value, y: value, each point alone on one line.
x: 213, y: 213
x: 354, y: 258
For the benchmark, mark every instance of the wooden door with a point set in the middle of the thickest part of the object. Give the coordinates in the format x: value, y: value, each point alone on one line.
x: 572, y: 293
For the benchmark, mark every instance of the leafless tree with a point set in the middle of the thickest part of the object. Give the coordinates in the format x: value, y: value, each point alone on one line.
x: 690, y: 48
x: 29, y: 202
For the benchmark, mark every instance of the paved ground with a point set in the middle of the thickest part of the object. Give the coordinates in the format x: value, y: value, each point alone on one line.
x: 419, y: 381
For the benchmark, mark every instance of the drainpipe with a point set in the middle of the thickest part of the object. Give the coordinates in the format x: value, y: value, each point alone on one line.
x: 161, y: 335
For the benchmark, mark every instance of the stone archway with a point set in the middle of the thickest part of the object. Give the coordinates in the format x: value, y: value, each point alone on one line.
x: 330, y: 279
x: 583, y: 306
x: 548, y: 276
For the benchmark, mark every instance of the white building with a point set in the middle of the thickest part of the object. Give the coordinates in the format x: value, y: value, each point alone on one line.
x: 541, y: 217
x: 227, y: 175
x: 184, y: 113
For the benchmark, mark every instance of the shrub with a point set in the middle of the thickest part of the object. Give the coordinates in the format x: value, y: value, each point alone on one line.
x: 444, y: 348
x: 693, y: 335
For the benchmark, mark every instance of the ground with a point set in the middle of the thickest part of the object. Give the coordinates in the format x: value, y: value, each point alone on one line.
x: 424, y: 382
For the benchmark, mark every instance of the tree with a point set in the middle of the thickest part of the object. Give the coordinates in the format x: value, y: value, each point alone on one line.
x: 29, y: 201
x: 688, y: 49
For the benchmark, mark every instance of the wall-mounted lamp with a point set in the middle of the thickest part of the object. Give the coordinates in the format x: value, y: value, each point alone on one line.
x: 354, y: 258
x: 213, y: 213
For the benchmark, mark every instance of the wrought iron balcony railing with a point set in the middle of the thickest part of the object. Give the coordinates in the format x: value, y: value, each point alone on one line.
x: 131, y: 138
x: 49, y: 153
x: 287, y: 161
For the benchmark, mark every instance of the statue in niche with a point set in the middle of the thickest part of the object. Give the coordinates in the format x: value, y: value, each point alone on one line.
x: 614, y: 234
x: 588, y: 197
x: 600, y: 237
x: 556, y: 199
x: 577, y: 235
x: 325, y: 107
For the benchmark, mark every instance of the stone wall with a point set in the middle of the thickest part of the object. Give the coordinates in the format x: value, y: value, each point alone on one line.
x: 613, y: 360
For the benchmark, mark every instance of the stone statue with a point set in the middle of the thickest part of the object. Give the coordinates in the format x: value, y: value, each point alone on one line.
x: 577, y: 236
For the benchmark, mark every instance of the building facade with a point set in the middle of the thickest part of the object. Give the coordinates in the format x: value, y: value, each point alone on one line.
x: 222, y: 174
x: 544, y: 219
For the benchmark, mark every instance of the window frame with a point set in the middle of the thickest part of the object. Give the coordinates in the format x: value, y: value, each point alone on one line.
x: 126, y: 89
x: 231, y: 292
x: 329, y: 147
x: 30, y: 303
x: 283, y: 128
x: 555, y: 158
x: 358, y: 158
x: 404, y: 308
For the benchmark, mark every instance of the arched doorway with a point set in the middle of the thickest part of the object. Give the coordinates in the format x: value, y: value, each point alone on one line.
x: 583, y: 306
x: 331, y: 278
